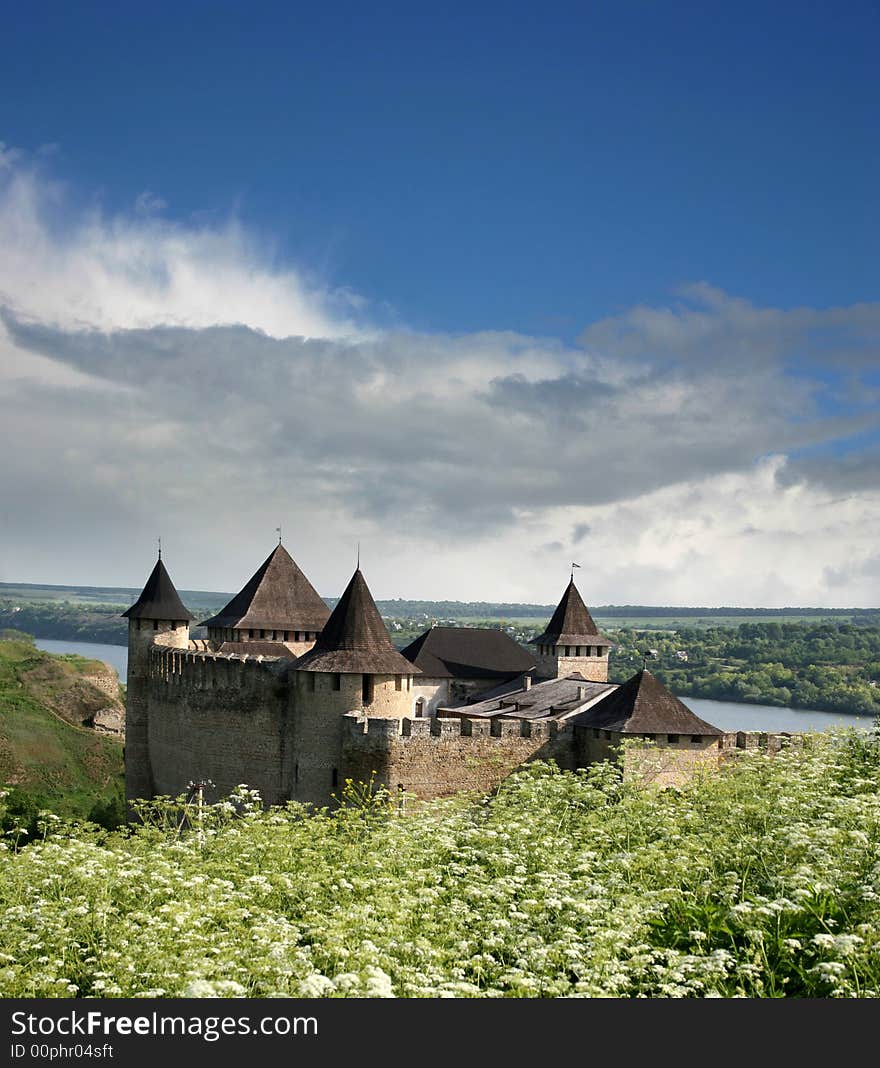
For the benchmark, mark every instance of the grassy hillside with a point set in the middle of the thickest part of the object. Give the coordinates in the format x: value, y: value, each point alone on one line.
x: 46, y: 754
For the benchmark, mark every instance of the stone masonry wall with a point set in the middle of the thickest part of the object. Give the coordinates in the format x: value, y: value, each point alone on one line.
x: 388, y: 701
x: 665, y: 763
x: 220, y: 718
x: 438, y: 757
x: 142, y: 637
x: 317, y: 732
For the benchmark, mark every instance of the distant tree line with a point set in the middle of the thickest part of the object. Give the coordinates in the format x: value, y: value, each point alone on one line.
x: 828, y: 666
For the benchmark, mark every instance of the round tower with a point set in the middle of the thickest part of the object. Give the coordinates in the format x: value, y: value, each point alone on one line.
x: 572, y: 642
x: 157, y: 617
x: 353, y: 667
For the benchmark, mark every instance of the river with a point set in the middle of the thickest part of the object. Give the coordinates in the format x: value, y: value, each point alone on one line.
x: 114, y: 655
x: 734, y: 716
x: 728, y: 715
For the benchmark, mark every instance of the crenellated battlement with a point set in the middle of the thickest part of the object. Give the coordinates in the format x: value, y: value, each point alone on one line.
x: 443, y: 755
x: 205, y: 669
x: 771, y: 742
x: 357, y: 725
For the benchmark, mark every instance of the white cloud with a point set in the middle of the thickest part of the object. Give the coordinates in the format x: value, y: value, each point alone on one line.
x: 159, y: 377
x: 80, y: 267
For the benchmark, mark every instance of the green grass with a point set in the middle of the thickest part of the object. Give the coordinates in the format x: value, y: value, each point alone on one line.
x: 759, y: 880
x: 44, y: 752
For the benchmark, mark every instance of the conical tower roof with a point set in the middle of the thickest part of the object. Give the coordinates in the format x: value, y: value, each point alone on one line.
x: 572, y: 623
x: 277, y: 597
x: 159, y: 599
x: 354, y: 638
x: 643, y: 705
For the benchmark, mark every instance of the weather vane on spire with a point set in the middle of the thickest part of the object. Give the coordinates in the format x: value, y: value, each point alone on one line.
x: 278, y: 529
x: 573, y: 566
x: 359, y: 557
x: 160, y: 548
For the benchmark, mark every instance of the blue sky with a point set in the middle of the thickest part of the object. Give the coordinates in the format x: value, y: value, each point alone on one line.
x: 500, y: 166
x: 457, y: 283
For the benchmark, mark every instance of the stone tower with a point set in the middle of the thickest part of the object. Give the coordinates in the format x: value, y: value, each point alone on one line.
x: 352, y: 667
x: 277, y: 613
x: 572, y: 642
x: 157, y: 617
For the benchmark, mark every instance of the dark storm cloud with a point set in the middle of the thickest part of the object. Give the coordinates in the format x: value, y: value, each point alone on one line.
x: 851, y: 472
x: 427, y: 428
x: 709, y: 327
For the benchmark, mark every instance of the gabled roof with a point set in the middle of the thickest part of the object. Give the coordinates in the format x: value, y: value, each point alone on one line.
x: 468, y: 653
x: 571, y: 623
x: 277, y: 597
x: 354, y: 638
x: 643, y: 705
x: 159, y: 599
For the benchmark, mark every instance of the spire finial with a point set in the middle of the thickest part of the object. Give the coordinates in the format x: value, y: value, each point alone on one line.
x: 573, y: 566
x: 359, y: 556
x: 278, y: 529
x: 160, y: 548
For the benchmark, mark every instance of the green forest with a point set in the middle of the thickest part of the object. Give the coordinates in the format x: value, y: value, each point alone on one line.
x: 760, y: 880
x: 833, y: 667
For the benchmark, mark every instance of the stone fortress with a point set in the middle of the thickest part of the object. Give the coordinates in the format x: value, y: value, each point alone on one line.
x: 292, y: 699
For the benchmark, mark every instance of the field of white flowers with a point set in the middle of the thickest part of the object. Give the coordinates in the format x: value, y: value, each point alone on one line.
x: 761, y: 881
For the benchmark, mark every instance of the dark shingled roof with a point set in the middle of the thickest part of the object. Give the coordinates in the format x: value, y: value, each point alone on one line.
x: 159, y: 599
x: 643, y: 705
x: 571, y: 623
x: 468, y: 653
x: 277, y: 597
x: 354, y: 638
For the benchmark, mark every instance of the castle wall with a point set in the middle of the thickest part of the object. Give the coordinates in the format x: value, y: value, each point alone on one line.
x: 142, y: 636
x: 220, y: 718
x: 671, y: 765
x: 438, y: 757
x: 661, y: 762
